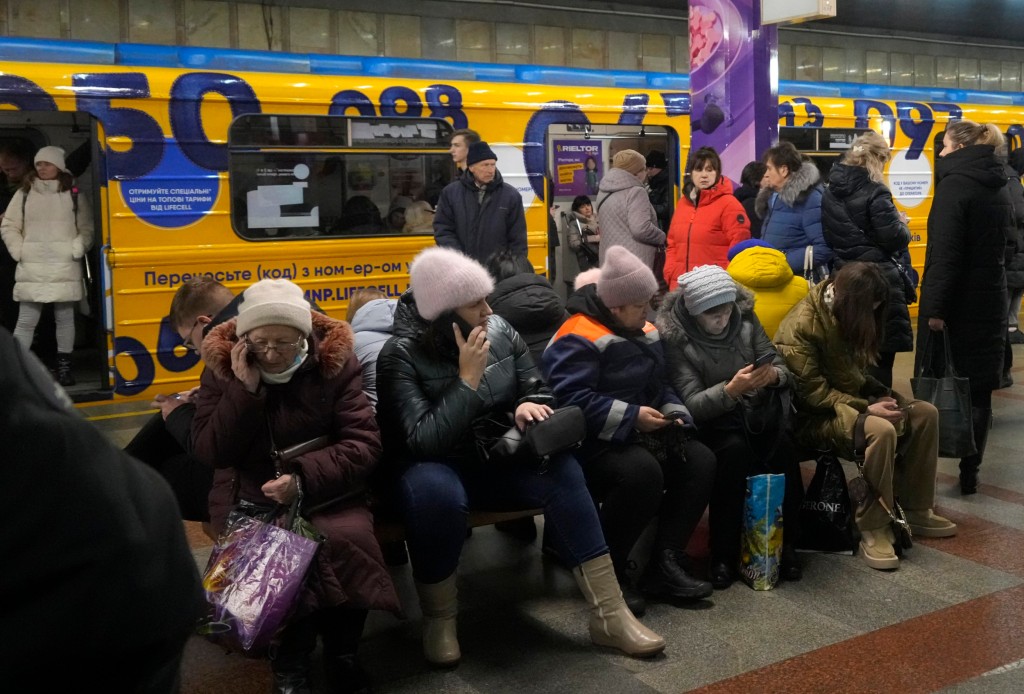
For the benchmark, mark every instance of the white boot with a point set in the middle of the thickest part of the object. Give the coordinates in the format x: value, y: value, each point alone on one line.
x: 440, y: 604
x: 611, y: 622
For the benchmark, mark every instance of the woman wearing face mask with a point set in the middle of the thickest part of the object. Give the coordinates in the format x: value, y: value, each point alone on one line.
x: 277, y: 376
x: 708, y: 222
x: 828, y: 341
x: 964, y: 281
x: 451, y: 365
x: 738, y: 389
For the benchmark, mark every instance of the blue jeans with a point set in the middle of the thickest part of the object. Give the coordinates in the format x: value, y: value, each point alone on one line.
x: 436, y: 499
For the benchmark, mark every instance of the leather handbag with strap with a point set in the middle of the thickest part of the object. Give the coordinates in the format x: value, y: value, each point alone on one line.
x: 863, y: 492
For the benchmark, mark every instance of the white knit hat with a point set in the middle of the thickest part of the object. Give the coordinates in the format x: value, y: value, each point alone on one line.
x: 443, y: 279
x: 706, y: 287
x: 53, y: 155
x: 274, y: 302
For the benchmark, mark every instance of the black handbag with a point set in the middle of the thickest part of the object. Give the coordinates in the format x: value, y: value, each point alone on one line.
x: 826, y: 515
x: 951, y: 396
x: 533, y: 447
x: 909, y: 287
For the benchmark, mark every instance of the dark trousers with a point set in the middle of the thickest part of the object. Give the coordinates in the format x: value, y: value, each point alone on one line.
x: 737, y: 460
x: 633, y: 488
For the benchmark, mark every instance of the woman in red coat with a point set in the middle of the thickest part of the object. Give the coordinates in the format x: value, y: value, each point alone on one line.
x: 708, y: 221
x: 277, y: 376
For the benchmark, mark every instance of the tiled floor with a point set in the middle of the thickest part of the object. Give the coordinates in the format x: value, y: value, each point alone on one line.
x: 950, y: 619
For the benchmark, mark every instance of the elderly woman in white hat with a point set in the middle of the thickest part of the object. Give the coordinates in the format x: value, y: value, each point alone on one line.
x: 450, y: 365
x: 277, y: 376
x: 47, y: 229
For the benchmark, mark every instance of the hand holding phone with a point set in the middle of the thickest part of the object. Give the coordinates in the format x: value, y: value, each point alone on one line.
x: 766, y: 358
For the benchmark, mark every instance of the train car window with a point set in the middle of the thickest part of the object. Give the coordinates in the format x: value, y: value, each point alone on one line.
x: 329, y: 176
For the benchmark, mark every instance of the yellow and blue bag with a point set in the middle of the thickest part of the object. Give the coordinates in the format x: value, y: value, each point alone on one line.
x: 761, y: 549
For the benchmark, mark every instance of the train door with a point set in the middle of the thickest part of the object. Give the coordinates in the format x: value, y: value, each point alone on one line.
x: 22, y: 134
x: 578, y: 156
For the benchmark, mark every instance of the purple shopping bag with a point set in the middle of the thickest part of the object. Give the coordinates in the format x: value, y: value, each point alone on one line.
x: 252, y: 582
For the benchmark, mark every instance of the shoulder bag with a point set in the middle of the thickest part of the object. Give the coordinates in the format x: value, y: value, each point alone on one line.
x: 951, y: 396
x: 533, y: 447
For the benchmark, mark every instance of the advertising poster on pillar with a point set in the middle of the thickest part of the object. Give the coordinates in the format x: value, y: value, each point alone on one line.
x: 578, y: 167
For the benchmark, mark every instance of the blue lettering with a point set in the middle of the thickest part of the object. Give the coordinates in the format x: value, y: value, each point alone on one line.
x: 187, y: 94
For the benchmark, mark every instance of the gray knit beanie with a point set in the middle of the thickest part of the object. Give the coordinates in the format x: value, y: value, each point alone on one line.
x: 625, y: 280
x: 706, y: 287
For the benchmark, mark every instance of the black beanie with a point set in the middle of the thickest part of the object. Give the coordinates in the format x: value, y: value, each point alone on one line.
x: 479, y: 151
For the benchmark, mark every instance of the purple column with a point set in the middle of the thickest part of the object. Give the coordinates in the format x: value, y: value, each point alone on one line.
x: 735, y: 97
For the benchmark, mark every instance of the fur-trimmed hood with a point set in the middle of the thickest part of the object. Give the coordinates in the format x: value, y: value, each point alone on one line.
x: 330, y: 345
x: 796, y: 189
x: 672, y: 329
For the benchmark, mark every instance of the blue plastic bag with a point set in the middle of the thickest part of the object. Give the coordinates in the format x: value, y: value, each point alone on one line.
x: 761, y: 549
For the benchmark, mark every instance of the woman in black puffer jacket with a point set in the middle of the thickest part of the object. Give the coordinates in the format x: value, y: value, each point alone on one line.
x: 964, y: 283
x: 861, y: 223
x: 526, y: 300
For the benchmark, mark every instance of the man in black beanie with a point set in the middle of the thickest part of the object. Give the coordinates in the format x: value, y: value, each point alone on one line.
x: 478, y: 213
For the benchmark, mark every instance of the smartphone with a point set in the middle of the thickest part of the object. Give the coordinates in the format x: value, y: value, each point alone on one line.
x: 675, y: 415
x: 766, y: 358
x: 464, y: 327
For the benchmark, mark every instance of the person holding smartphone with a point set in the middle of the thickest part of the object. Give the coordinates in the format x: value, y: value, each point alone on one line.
x: 738, y: 389
x: 450, y: 366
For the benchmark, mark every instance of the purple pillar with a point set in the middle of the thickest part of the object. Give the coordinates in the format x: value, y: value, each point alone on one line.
x: 733, y: 81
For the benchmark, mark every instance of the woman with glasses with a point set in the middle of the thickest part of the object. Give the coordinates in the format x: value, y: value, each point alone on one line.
x: 277, y: 376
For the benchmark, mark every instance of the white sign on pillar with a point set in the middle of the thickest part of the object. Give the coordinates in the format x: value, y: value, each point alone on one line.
x: 794, y: 11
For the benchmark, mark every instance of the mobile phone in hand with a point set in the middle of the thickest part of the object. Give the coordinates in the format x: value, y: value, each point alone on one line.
x: 675, y: 416
x: 765, y: 358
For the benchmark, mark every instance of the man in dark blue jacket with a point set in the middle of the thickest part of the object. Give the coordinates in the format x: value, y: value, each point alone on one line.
x: 478, y: 213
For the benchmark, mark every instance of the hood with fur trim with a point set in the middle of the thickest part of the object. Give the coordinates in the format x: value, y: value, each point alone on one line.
x: 672, y: 329
x: 331, y: 344
x: 795, y: 190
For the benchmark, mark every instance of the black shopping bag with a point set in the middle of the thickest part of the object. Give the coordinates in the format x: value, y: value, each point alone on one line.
x: 826, y: 516
x: 951, y: 396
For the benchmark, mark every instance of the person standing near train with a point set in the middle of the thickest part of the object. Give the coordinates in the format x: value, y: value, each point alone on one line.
x: 627, y: 217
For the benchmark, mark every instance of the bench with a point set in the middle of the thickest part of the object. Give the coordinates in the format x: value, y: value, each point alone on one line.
x: 388, y: 531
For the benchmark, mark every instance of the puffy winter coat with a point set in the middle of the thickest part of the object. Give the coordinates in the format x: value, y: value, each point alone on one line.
x: 791, y: 218
x: 48, y: 242
x: 1015, y: 253
x: 832, y: 389
x: 532, y: 307
x: 700, y: 364
x: 765, y: 273
x: 747, y: 195
x: 609, y: 372
x: 861, y: 223
x: 964, y: 282
x: 372, y: 327
x: 478, y: 229
x: 627, y: 217
x: 702, y: 233
x: 427, y: 412
x: 232, y: 428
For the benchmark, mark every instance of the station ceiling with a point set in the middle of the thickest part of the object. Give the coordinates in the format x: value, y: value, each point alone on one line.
x: 1000, y: 21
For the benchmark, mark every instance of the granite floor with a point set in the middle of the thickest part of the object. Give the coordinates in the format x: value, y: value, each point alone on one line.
x: 951, y: 619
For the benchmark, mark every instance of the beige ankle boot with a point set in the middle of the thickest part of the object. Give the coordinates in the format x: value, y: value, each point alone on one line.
x: 877, y: 550
x: 611, y: 622
x: 440, y: 605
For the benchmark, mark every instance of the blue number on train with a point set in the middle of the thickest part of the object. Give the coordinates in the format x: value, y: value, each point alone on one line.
x: 166, y: 342
x: 815, y: 118
x: 143, y: 365
x: 392, y: 96
x: 94, y: 92
x: 350, y: 98
x: 24, y: 94
x: 551, y: 113
x: 862, y: 109
x: 187, y: 94
x: 919, y: 130
x: 634, y: 108
x: 445, y: 101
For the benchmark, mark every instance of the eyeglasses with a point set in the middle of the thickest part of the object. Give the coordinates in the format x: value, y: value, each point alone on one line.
x: 280, y: 347
x: 187, y: 343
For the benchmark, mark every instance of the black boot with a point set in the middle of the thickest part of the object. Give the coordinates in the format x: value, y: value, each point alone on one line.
x: 341, y: 629
x: 981, y: 419
x: 634, y: 600
x: 666, y: 577
x: 289, y: 658
x: 64, y: 375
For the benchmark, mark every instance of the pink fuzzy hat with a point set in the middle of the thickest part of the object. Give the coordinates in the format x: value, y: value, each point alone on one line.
x: 443, y: 279
x: 625, y: 279
x: 586, y: 277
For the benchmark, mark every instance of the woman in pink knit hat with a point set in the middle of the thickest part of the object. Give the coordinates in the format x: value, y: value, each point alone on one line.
x: 451, y: 366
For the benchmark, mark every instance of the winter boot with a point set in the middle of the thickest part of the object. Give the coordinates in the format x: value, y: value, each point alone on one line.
x: 981, y: 418
x: 926, y: 524
x: 440, y: 605
x: 611, y: 622
x: 64, y: 375
x: 289, y: 658
x: 667, y: 577
x: 341, y: 629
x: 877, y: 550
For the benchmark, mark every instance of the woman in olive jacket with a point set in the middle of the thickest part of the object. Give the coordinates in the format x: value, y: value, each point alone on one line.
x: 861, y: 222
x: 964, y: 284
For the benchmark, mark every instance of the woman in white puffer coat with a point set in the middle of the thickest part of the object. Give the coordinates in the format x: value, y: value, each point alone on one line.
x: 47, y: 229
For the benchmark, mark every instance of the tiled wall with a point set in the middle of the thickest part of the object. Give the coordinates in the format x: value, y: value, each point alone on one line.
x: 574, y: 39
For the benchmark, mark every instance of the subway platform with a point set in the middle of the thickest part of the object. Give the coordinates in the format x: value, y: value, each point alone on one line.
x: 951, y: 619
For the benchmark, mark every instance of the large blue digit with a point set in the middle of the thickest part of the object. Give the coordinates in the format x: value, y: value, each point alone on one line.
x: 815, y: 118
x: 676, y: 103
x: 94, y: 92
x: 634, y: 108
x: 787, y: 114
x: 24, y: 94
x: 187, y: 94
x: 166, y: 343
x: 1016, y: 134
x: 919, y: 130
x: 551, y: 113
x: 350, y: 98
x: 392, y: 96
x: 445, y: 101
x: 143, y: 364
x: 862, y: 109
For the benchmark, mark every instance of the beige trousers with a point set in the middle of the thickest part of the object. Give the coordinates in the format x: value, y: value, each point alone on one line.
x: 912, y: 477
